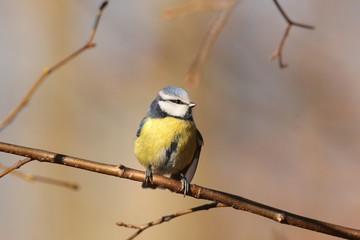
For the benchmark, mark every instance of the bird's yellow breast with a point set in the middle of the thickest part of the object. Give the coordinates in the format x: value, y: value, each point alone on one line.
x: 156, y: 137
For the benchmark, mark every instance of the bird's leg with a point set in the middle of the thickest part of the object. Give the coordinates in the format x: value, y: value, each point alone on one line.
x: 185, y: 185
x: 148, y: 177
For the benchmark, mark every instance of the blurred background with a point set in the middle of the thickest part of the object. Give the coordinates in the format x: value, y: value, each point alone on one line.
x: 288, y: 138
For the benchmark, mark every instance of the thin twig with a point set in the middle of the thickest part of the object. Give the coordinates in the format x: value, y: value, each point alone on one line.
x: 278, y: 51
x: 199, y: 192
x: 48, y: 70
x: 15, y: 166
x: 34, y: 178
x: 194, y: 6
x: 167, y: 218
x: 194, y: 74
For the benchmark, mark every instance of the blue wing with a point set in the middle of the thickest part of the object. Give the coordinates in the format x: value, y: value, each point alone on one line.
x: 140, y: 126
x: 190, y: 172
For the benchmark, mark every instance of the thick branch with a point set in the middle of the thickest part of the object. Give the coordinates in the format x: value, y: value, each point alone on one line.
x: 228, y: 199
x: 48, y: 70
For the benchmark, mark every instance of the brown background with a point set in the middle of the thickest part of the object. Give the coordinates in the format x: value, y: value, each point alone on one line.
x: 288, y: 138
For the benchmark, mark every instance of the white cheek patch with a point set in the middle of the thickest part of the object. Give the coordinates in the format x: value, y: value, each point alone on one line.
x: 173, y: 109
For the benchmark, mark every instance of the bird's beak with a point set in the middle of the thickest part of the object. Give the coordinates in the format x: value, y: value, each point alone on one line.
x: 191, y: 104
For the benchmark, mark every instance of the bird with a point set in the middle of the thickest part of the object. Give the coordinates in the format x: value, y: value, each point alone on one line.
x: 167, y: 140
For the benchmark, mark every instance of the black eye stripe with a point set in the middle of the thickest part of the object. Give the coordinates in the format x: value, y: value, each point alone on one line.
x: 177, y: 101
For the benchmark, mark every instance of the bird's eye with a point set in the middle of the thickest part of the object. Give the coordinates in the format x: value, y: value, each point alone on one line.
x: 177, y: 101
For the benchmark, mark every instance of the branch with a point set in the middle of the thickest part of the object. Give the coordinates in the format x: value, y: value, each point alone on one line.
x: 15, y: 166
x: 48, y: 70
x: 194, y: 74
x: 278, y: 51
x: 35, y: 178
x: 194, y: 7
x: 199, y: 192
x: 167, y: 218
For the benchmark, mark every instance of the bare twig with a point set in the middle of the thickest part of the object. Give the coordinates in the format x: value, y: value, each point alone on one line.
x: 15, y: 166
x: 194, y: 74
x: 48, y: 70
x: 199, y: 192
x: 278, y: 51
x: 194, y: 7
x: 167, y: 218
x: 35, y: 178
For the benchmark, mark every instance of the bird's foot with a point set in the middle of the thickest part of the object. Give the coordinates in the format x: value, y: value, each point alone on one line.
x: 185, y: 185
x: 148, y: 179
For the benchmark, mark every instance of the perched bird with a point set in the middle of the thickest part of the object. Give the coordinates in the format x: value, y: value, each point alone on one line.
x: 168, y: 142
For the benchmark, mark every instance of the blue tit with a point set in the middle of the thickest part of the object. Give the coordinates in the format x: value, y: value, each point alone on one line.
x: 168, y: 142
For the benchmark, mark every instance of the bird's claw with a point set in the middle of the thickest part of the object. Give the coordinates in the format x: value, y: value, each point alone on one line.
x: 148, y: 178
x: 185, y: 185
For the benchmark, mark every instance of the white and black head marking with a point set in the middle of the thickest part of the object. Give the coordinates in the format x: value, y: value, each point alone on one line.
x: 172, y: 101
